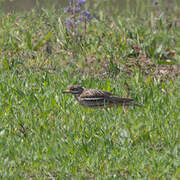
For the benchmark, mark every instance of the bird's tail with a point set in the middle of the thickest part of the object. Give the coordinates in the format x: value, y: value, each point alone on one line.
x: 124, y: 101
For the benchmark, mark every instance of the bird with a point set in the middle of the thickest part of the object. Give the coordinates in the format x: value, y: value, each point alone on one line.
x: 94, y: 98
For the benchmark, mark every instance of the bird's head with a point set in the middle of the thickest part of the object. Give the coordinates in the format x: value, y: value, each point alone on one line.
x: 74, y: 89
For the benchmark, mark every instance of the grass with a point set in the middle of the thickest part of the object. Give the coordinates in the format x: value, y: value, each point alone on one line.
x: 45, y: 134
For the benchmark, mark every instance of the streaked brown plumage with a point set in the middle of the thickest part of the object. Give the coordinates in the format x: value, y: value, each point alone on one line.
x: 97, y: 98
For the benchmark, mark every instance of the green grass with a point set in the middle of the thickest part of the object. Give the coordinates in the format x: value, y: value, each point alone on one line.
x: 45, y: 134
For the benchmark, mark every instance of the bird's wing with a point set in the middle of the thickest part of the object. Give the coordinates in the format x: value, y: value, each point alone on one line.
x: 95, y: 97
x: 95, y: 94
x: 117, y: 99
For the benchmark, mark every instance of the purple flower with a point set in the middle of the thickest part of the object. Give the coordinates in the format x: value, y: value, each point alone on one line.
x: 81, y: 18
x: 80, y: 2
x: 86, y: 14
x: 72, y: 10
x: 77, y: 9
x: 76, y: 15
x: 69, y: 24
x: 68, y: 10
x: 137, y: 48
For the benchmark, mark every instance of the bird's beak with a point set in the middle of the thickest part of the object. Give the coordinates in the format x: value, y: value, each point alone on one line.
x: 66, y: 91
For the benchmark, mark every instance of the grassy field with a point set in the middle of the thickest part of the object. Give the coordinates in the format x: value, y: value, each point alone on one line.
x: 45, y: 134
